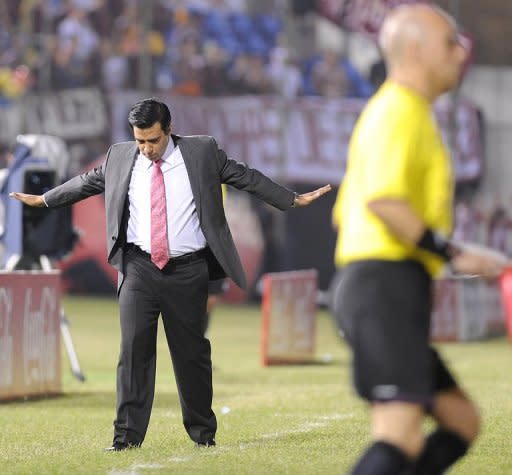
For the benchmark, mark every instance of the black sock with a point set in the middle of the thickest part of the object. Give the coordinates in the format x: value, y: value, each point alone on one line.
x: 442, y: 449
x: 382, y: 458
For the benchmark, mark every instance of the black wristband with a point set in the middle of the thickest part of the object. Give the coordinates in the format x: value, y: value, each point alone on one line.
x: 437, y: 244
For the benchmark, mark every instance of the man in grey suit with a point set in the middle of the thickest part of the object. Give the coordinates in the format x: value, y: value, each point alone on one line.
x: 167, y: 235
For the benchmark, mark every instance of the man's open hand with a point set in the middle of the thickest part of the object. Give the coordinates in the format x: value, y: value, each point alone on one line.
x: 479, y: 260
x: 36, y: 201
x: 307, y: 198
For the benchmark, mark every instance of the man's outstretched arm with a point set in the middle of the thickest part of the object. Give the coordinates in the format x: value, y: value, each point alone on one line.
x: 76, y: 189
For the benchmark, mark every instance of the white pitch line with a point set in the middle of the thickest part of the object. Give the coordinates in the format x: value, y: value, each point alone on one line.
x: 181, y: 459
x: 150, y: 466
x: 309, y: 426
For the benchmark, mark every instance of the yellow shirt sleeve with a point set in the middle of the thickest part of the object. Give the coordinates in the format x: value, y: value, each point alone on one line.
x: 390, y: 163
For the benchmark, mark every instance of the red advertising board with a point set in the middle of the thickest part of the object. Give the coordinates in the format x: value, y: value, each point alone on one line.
x: 505, y: 283
x: 289, y: 317
x: 29, y: 334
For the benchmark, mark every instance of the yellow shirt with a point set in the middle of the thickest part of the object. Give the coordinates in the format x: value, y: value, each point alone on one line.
x: 396, y: 151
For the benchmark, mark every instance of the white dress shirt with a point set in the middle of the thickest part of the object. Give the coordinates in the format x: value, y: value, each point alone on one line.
x: 183, y: 231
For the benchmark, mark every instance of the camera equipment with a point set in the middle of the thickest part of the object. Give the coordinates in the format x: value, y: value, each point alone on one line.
x: 34, y: 236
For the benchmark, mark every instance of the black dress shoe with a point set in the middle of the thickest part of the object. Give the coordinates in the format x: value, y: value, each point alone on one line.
x: 208, y: 443
x: 118, y: 446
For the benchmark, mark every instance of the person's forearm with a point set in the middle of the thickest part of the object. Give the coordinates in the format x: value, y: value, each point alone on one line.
x: 76, y: 189
x: 406, y: 225
x: 399, y: 218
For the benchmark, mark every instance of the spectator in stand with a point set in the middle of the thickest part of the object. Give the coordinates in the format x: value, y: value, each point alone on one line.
x: 75, y: 28
x: 128, y: 16
x: 237, y: 74
x: 102, y: 14
x: 187, y: 68
x: 257, y: 80
x: 184, y: 26
x: 115, y: 67
x: 284, y: 73
x: 14, y: 82
x: 8, y: 50
x: 214, y: 79
x: 69, y: 69
x: 20, y: 55
x: 77, y: 51
x: 329, y: 78
x: 127, y: 35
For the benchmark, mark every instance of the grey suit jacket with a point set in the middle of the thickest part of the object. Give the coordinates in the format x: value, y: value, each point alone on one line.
x: 207, y: 167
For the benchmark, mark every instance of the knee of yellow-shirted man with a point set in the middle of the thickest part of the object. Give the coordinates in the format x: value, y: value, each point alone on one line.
x: 455, y: 411
x: 399, y: 424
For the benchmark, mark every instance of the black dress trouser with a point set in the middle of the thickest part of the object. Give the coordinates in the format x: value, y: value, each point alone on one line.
x: 179, y: 293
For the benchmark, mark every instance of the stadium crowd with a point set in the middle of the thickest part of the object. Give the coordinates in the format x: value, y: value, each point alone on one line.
x: 196, y: 49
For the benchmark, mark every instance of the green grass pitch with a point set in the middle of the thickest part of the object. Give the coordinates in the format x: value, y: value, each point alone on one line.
x: 301, y: 419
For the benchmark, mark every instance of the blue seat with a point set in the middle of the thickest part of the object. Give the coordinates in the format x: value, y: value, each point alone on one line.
x: 215, y: 22
x: 230, y: 44
x: 270, y: 25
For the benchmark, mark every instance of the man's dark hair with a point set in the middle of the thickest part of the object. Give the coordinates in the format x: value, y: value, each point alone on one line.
x: 146, y: 113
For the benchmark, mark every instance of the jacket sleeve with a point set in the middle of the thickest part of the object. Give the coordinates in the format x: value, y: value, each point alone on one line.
x: 78, y: 188
x: 242, y: 177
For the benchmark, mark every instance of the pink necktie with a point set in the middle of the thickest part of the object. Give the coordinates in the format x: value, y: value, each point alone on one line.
x: 159, y: 243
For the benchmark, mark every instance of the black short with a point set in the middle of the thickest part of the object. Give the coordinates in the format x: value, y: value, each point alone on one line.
x: 384, y: 308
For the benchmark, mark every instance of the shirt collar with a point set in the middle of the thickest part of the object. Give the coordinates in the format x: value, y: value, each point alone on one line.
x: 165, y: 158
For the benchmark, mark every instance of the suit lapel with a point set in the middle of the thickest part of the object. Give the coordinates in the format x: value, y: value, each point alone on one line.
x: 190, y: 157
x: 121, y: 191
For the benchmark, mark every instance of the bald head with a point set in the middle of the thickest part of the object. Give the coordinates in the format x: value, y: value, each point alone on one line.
x: 421, y: 47
x: 409, y: 26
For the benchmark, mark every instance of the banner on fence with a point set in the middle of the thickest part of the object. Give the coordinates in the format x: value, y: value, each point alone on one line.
x: 78, y: 116
x: 29, y: 334
x: 303, y: 141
